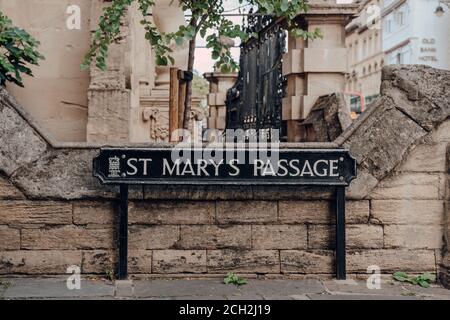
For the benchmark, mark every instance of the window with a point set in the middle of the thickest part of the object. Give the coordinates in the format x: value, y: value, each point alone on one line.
x: 388, y: 26
x: 399, y: 18
x: 399, y: 58
x: 364, y: 49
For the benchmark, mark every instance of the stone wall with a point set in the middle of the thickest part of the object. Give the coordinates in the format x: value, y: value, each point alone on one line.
x: 53, y: 213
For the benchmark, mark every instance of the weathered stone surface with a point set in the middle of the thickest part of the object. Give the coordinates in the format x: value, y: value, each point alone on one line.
x: 104, y: 262
x: 170, y: 212
x: 250, y: 261
x: 381, y: 141
x: 292, y: 193
x: 444, y: 186
x: 197, y: 193
x: 301, y: 212
x: 9, y: 238
x: 420, y: 212
x: 246, y: 212
x: 298, y: 261
x: 413, y: 236
x: 35, y: 212
x: 94, y: 212
x: 215, y: 237
x: 110, y: 123
x: 358, y: 236
x: 444, y: 275
x: 408, y: 186
x: 361, y: 187
x: 98, y: 262
x: 179, y: 261
x: 321, y: 212
x: 328, y: 118
x: 8, y: 191
x: 67, y: 237
x: 66, y: 174
x: 391, y: 260
x: 140, y: 261
x: 419, y: 160
x: 57, y: 168
x: 420, y: 91
x: 21, y: 144
x: 279, y: 237
x: 38, y: 262
x: 357, y: 212
x: 442, y: 133
x: 153, y: 237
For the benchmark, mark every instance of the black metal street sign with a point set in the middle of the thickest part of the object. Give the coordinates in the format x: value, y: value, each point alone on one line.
x: 212, y: 166
x: 220, y: 166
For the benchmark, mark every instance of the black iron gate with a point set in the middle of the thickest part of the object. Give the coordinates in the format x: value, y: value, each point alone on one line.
x: 255, y: 101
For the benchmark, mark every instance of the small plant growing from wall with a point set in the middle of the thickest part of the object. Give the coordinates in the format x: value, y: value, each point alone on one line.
x: 234, y: 279
x: 18, y: 50
x: 423, y: 280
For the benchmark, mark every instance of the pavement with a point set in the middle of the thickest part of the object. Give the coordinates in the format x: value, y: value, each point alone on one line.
x: 213, y: 289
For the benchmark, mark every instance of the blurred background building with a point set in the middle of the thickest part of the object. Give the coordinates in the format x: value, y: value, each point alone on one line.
x: 388, y: 32
x: 366, y: 58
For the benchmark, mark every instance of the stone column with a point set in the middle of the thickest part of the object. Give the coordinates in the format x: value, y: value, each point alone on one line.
x: 219, y: 84
x: 109, y: 93
x: 315, y: 67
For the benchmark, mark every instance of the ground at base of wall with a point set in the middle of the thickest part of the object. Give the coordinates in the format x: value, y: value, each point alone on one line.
x: 214, y: 289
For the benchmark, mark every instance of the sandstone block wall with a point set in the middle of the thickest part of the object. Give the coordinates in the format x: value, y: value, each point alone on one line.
x: 214, y: 236
x: 53, y: 213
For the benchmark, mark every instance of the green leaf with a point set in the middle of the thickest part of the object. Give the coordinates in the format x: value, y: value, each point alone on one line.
x: 401, y: 276
x: 18, y: 50
x: 232, y: 278
x: 161, y: 61
x: 179, y: 41
x: 424, y: 283
x: 428, y: 277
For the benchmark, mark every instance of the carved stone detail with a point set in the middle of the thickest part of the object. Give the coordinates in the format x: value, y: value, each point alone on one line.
x: 159, y: 123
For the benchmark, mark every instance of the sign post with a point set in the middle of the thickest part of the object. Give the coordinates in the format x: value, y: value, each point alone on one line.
x: 222, y: 166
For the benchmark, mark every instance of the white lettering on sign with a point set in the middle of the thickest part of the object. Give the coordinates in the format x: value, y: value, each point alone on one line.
x: 132, y: 164
x: 205, y: 168
x: 293, y: 168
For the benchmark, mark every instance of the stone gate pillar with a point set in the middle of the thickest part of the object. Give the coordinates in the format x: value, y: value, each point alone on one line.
x: 315, y: 67
x: 219, y: 83
x: 109, y: 93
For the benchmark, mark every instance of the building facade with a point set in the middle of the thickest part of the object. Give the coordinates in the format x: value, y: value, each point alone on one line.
x: 365, y: 54
x: 415, y: 33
